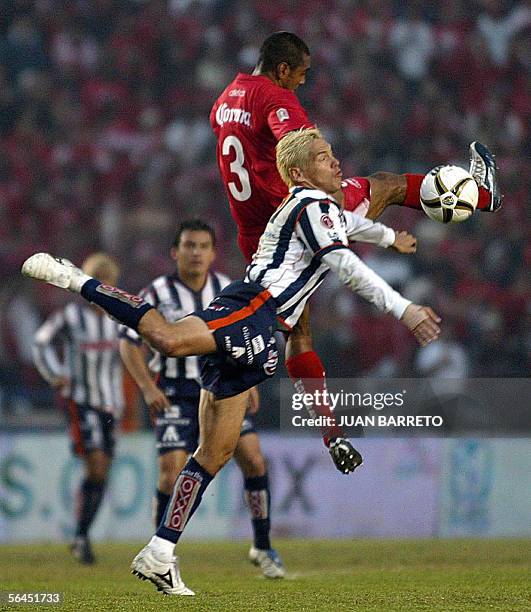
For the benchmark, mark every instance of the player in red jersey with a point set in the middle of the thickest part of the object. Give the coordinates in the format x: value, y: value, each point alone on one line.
x: 250, y: 116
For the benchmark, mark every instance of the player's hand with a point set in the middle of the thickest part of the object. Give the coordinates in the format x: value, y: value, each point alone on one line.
x: 155, y: 400
x: 422, y: 322
x: 404, y: 243
x: 345, y: 457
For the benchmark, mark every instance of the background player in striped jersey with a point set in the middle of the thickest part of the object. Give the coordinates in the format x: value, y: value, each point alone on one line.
x: 174, y: 399
x: 249, y: 117
x: 306, y: 237
x: 86, y: 368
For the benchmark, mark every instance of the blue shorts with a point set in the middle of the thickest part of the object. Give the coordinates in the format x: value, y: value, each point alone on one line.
x: 242, y: 318
x: 91, y: 429
x: 178, y: 427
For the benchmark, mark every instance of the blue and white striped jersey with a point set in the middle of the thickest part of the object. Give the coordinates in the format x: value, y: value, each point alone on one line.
x: 88, y: 355
x: 307, y: 236
x: 174, y: 300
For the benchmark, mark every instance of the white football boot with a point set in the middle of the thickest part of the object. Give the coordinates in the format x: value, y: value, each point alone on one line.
x: 55, y: 271
x: 165, y: 576
x: 268, y: 561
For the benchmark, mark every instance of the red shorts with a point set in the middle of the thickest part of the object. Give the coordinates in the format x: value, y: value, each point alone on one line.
x: 357, y: 196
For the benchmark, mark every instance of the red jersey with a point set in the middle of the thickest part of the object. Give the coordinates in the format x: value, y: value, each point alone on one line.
x: 249, y: 118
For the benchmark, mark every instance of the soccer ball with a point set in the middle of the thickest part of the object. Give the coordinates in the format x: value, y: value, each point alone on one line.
x: 449, y: 194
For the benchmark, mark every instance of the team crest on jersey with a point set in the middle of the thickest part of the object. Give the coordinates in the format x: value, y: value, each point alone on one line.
x: 133, y: 300
x: 326, y: 221
x: 282, y: 114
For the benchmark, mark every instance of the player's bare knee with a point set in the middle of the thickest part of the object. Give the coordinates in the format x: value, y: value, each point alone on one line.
x: 214, y: 459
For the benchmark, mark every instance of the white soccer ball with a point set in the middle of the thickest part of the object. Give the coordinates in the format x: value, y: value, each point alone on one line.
x: 449, y: 194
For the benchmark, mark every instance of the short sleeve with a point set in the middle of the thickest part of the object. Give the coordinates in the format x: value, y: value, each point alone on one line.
x: 285, y: 113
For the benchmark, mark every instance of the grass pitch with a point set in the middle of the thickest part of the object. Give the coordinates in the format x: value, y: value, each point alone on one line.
x: 351, y: 575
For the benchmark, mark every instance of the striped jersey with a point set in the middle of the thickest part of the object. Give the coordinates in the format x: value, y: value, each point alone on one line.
x: 81, y: 343
x: 306, y: 227
x: 174, y: 300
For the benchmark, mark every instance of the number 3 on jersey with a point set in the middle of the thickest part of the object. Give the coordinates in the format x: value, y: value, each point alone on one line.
x: 237, y: 168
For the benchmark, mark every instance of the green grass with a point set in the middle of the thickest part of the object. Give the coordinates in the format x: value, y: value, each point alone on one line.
x: 323, y: 575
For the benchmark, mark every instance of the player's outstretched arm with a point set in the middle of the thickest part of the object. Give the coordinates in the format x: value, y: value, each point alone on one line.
x: 420, y: 320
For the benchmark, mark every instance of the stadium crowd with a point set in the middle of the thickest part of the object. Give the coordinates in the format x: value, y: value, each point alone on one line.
x: 105, y: 144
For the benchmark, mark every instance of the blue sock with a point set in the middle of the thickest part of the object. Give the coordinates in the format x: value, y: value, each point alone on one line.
x: 187, y: 493
x: 122, y: 306
x: 258, y: 499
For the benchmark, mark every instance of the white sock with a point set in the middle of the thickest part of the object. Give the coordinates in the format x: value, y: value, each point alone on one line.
x: 162, y: 548
x: 77, y: 281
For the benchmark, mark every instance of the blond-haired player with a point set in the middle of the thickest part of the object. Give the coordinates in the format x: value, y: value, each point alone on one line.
x: 307, y: 236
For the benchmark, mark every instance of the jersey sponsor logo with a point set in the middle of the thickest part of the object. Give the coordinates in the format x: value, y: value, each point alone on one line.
x: 170, y: 434
x: 226, y: 114
x: 248, y: 347
x: 258, y: 344
x: 186, y: 490
x: 326, y: 221
x: 237, y: 93
x: 173, y: 411
x: 282, y: 114
x: 133, y: 300
x: 237, y: 351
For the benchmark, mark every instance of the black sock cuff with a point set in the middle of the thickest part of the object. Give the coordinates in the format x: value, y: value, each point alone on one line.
x: 257, y: 483
x: 193, y: 466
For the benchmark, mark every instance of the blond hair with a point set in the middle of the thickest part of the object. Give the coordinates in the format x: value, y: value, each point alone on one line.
x: 103, y: 267
x: 293, y: 151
